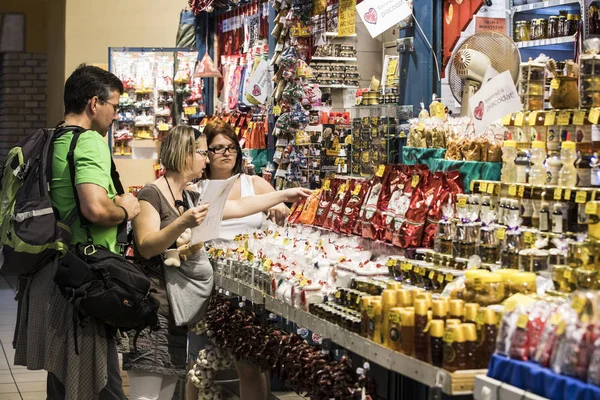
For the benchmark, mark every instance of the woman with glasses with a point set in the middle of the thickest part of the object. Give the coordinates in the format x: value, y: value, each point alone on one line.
x: 167, y: 210
x: 225, y: 161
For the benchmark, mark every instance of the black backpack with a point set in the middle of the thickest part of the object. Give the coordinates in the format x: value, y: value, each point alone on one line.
x: 101, y: 284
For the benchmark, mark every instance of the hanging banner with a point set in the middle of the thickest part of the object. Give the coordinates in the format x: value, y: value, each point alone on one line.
x: 493, y: 101
x: 251, y: 25
x: 380, y: 15
x: 347, y: 18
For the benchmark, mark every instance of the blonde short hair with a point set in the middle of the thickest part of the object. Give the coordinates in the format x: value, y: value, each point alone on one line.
x: 178, y: 146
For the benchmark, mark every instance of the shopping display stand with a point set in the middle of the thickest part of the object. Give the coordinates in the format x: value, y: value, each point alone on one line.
x: 460, y: 383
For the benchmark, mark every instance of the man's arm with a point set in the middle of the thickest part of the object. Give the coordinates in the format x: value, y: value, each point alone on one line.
x: 99, y: 209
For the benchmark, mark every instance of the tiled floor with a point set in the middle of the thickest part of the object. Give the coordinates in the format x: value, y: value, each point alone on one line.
x: 17, y: 383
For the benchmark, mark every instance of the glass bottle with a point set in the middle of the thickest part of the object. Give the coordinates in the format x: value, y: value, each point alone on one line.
x: 523, y: 164
x: 471, y: 310
x: 421, y: 338
x: 388, y: 302
x: 544, y: 224
x: 436, y: 340
x: 538, y: 173
x: 375, y: 319
x: 449, y: 356
x: 509, y: 153
x: 470, y: 332
x: 457, y: 309
x: 395, y: 329
x: 487, y: 344
x: 408, y: 332
x: 557, y: 218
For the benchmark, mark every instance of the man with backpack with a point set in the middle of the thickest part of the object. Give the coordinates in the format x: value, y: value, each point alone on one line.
x: 81, y: 358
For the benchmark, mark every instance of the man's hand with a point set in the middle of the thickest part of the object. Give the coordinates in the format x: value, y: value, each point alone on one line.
x: 130, y: 203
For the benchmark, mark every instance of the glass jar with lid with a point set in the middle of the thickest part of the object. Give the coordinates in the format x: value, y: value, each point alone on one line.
x: 531, y: 85
x: 524, y: 283
x: 586, y: 279
x: 562, y: 24
x: 491, y: 290
x: 589, y: 81
x: 522, y: 31
x: 553, y: 26
x: 571, y: 25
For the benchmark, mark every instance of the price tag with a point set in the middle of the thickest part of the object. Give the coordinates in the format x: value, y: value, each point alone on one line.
x: 519, y: 119
x: 276, y: 110
x: 512, y: 190
x: 426, y: 329
x: 163, y: 127
x: 580, y: 197
x: 591, y: 208
x: 555, y: 319
x: 564, y: 118
x: 391, y: 262
x: 286, y: 241
x: 528, y: 237
x: 579, y: 118
x: 267, y: 264
x: 567, y: 274
x: 490, y: 188
x: 356, y: 190
x: 561, y: 328
x: 462, y: 202
x: 415, y: 180
x: 440, y: 278
x: 395, y: 317
x: 320, y: 242
x: 501, y: 233
x: 408, y: 266
x: 380, y: 170
x: 326, y: 184
x: 449, y: 336
x: 506, y: 120
x: 338, y: 295
x: 449, y: 277
x: 578, y: 304
x: 431, y: 274
x: 471, y: 186
x: 250, y: 257
x: 533, y: 118
x: 557, y: 194
x: 423, y: 271
x: 521, y: 191
x: 307, y: 247
x: 550, y: 118
x: 348, y: 295
x: 483, y: 187
x: 555, y: 84
x: 522, y: 321
x: 594, y: 116
x: 567, y: 194
x: 275, y: 235
x: 189, y: 110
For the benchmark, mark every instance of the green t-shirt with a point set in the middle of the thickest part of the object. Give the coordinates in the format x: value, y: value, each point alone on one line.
x: 92, y: 165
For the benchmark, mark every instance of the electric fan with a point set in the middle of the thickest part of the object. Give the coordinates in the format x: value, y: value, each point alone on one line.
x: 471, y: 59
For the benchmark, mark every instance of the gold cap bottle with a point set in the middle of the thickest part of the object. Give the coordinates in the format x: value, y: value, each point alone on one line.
x: 471, y: 310
x: 470, y: 332
x: 436, y: 329
x: 439, y: 309
x: 404, y: 298
x: 389, y: 298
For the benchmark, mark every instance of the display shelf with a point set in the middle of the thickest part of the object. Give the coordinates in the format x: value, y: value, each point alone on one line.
x: 546, y: 42
x: 542, y: 5
x: 343, y: 59
x: 457, y: 383
x: 335, y: 35
x: 338, y: 87
x: 487, y: 388
x: 552, y: 192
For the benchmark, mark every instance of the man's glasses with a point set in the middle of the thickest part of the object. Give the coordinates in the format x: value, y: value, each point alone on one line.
x: 223, y: 149
x: 114, y: 106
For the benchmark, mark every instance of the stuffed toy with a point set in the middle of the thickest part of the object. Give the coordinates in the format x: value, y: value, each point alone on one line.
x: 173, y: 257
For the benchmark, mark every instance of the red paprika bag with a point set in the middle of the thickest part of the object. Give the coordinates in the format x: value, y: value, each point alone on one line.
x: 407, y: 229
x: 329, y: 190
x: 352, y: 208
x: 309, y: 211
x: 393, y: 203
x: 368, y: 211
x: 337, y: 207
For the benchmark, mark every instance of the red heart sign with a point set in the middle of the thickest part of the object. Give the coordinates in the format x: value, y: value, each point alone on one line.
x: 371, y: 16
x: 478, y: 112
x: 256, y: 91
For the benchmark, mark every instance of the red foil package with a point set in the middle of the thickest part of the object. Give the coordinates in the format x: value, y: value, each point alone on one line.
x: 334, y: 216
x: 352, y: 208
x: 296, y: 211
x: 451, y: 186
x: 367, y: 224
x: 329, y: 191
x: 410, y: 217
x: 395, y: 202
x: 519, y: 341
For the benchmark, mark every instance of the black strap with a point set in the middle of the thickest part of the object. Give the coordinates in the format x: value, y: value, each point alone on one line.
x: 85, y: 223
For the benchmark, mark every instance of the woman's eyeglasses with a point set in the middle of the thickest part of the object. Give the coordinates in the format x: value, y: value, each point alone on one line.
x: 203, y: 153
x: 223, y: 149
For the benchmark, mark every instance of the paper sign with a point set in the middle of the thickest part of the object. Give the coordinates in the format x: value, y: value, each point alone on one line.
x: 347, y: 18
x: 493, y: 101
x: 490, y: 24
x: 260, y: 82
x: 380, y: 15
x: 490, y: 73
x: 214, y: 193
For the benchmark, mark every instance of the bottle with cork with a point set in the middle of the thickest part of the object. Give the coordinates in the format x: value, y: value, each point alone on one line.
x: 408, y: 332
x: 389, y: 300
x: 421, y: 337
x: 436, y: 340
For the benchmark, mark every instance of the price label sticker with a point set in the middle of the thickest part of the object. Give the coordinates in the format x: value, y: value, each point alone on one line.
x: 521, y: 191
x: 415, y: 180
x: 163, y: 127
x: 555, y: 319
x: 581, y: 197
x: 326, y: 184
x: 391, y: 262
x: 579, y: 118
x: 555, y: 84
x: 501, y: 233
x: 519, y: 119
x: 550, y: 118
x: 189, y: 110
x: 356, y: 190
x: 578, y: 304
x: 338, y: 295
x: 564, y: 118
x: 408, y: 266
x: 286, y: 241
x: 320, y: 242
x: 472, y: 186
x: 395, y: 317
x: 567, y: 194
x: 462, y: 202
x: 532, y: 118
x: 528, y: 237
x: 506, y: 120
x: 561, y: 328
x: 431, y: 274
x: 341, y: 259
x: 594, y: 116
x: 423, y: 271
x: 440, y: 278
x: 449, y: 336
x: 483, y: 187
x: 591, y: 208
x: 306, y: 248
x: 250, y: 257
x: 557, y: 194
x: 449, y: 277
x: 490, y: 188
x: 276, y: 110
x: 522, y: 321
x: 267, y: 263
x: 512, y: 190
x: 275, y: 235
x: 380, y: 170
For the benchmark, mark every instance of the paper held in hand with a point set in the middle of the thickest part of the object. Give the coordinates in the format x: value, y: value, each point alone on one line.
x: 215, y: 193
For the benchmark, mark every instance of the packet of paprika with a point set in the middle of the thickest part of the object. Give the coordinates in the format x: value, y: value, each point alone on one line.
x: 352, y: 208
x: 309, y: 211
x: 337, y: 207
x: 329, y: 191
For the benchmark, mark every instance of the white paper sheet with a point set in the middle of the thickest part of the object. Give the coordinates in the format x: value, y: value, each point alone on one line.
x: 215, y: 193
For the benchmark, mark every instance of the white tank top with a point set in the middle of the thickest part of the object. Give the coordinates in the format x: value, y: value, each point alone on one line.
x: 230, y: 228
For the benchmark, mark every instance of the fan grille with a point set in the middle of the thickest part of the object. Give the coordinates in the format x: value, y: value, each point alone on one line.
x: 501, y: 50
